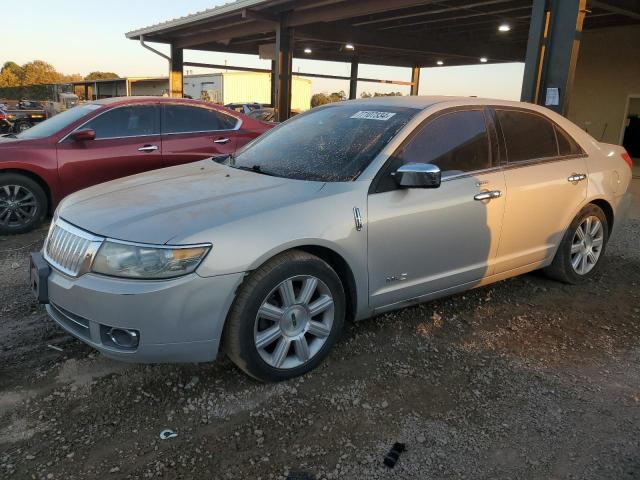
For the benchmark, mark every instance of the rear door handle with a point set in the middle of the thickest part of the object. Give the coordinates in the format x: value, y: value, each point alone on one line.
x: 576, y: 177
x: 222, y: 141
x: 481, y: 197
x: 148, y: 148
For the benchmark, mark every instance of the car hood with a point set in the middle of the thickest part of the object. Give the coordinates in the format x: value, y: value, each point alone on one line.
x: 11, y: 142
x: 179, y: 202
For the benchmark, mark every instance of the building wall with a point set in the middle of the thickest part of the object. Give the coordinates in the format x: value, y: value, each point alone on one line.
x: 608, y: 71
x: 244, y: 87
x: 153, y: 87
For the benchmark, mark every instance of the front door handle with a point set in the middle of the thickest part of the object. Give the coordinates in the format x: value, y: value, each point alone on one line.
x: 148, y: 148
x: 222, y: 141
x: 481, y: 197
x: 576, y: 177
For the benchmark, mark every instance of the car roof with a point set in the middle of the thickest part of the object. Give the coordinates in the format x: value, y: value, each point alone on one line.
x: 146, y: 99
x: 425, y: 101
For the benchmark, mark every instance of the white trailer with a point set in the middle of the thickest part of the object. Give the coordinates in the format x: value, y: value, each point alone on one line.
x: 244, y: 87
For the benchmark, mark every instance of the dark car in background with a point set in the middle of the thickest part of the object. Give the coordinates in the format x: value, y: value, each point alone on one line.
x: 108, y: 139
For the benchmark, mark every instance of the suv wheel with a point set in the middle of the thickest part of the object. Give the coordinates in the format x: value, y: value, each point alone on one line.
x: 22, y: 126
x: 23, y: 204
x: 580, y: 253
x: 286, y: 317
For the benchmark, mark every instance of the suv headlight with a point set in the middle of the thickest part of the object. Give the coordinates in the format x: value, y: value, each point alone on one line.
x: 150, y: 262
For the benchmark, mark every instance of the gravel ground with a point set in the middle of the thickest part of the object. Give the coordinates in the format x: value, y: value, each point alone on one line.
x: 527, y: 378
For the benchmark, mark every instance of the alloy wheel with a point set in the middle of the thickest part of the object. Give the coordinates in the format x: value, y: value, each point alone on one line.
x: 18, y: 205
x: 294, y: 322
x: 587, y: 244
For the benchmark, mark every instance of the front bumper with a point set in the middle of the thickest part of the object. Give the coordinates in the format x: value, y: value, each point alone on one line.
x: 178, y: 320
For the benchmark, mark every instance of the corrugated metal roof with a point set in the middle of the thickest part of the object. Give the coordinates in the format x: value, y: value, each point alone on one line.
x: 230, y: 7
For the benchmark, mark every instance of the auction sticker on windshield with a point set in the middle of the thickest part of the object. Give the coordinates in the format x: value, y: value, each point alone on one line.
x: 368, y: 115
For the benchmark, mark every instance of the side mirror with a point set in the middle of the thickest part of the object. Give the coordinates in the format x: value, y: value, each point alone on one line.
x: 418, y: 175
x: 83, y: 135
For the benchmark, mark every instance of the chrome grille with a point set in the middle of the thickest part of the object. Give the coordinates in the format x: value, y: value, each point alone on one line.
x: 70, y: 249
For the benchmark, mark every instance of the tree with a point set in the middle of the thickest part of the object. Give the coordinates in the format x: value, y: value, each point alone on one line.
x: 338, y: 96
x: 39, y: 72
x: 101, y: 76
x: 319, y: 99
x: 11, y: 75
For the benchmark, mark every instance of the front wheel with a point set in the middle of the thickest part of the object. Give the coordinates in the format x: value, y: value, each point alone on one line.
x: 580, y: 253
x: 23, y: 204
x: 286, y: 317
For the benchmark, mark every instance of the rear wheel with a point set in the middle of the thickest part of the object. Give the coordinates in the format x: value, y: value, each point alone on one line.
x: 286, y: 317
x: 22, y: 126
x: 583, y: 246
x: 23, y: 203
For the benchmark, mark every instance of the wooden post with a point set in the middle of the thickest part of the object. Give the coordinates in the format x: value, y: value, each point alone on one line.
x: 176, y: 74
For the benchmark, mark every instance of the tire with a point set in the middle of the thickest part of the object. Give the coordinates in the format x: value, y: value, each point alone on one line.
x: 22, y: 126
x: 574, y: 261
x: 255, y: 342
x: 23, y: 204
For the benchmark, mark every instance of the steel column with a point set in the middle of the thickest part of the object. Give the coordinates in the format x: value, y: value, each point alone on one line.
x: 415, y: 80
x: 283, y: 71
x: 176, y: 73
x: 552, y: 52
x: 353, y: 81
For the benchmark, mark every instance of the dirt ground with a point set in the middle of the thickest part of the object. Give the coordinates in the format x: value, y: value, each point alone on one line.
x: 527, y: 378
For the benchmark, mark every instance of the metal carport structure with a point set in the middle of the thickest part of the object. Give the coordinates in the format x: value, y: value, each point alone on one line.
x: 545, y: 34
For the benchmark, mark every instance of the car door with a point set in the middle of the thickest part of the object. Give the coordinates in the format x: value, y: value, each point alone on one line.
x: 194, y: 132
x: 422, y: 241
x: 546, y: 177
x: 127, y: 141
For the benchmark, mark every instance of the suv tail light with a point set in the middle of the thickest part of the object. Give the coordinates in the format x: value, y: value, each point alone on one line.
x: 627, y: 158
x: 2, y: 116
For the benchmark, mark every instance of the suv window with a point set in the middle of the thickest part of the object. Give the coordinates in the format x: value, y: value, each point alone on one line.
x: 527, y: 136
x: 186, y: 119
x: 133, y: 121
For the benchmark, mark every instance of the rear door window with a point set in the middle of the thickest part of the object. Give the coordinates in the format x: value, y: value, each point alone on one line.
x: 527, y: 136
x: 122, y: 122
x: 188, y: 119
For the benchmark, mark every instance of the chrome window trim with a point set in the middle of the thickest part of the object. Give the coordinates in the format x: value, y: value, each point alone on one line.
x: 111, y: 110
x: 234, y: 129
x: 542, y: 160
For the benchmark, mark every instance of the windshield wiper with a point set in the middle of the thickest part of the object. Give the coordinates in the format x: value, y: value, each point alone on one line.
x: 255, y: 169
x: 10, y: 135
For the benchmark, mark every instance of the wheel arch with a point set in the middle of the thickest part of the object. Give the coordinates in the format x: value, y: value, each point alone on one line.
x: 336, y: 261
x: 36, y: 178
x: 606, y: 207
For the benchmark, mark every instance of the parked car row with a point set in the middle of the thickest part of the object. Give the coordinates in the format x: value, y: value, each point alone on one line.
x: 108, y: 139
x: 343, y: 212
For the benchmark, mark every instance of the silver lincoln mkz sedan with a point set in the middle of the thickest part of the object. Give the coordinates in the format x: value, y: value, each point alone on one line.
x: 344, y: 212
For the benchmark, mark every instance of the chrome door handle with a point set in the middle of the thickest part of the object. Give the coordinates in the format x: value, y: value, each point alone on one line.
x: 481, y: 197
x: 148, y: 148
x: 576, y: 177
x: 222, y: 141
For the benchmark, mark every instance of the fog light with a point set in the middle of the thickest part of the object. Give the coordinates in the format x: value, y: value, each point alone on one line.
x: 124, y: 338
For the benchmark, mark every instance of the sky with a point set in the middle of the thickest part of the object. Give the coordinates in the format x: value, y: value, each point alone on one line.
x: 84, y: 37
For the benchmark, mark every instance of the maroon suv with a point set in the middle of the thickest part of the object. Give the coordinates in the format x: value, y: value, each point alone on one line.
x: 108, y: 139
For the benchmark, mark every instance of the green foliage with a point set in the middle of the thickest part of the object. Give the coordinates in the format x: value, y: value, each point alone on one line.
x: 101, y: 76
x: 378, y: 94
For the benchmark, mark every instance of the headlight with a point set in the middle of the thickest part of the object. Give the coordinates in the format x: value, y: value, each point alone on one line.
x: 151, y: 262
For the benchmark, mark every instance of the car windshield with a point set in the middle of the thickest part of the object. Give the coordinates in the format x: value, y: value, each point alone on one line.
x: 57, y: 122
x: 331, y: 144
